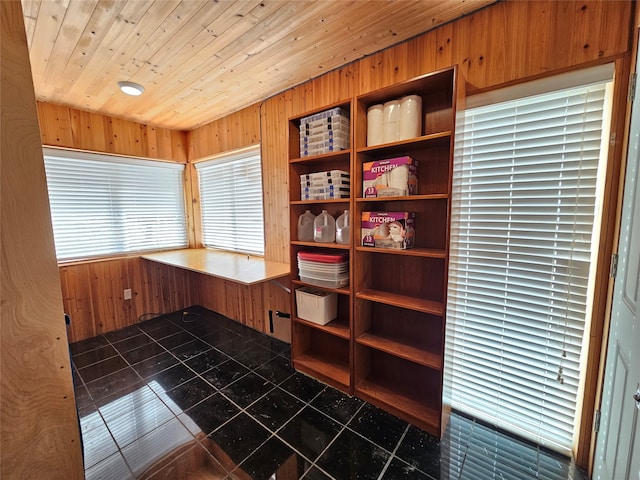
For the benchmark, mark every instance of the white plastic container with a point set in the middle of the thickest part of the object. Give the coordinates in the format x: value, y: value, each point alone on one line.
x: 410, y: 116
x: 342, y: 228
x: 374, y: 125
x: 337, y: 281
x: 391, y: 121
x: 324, y: 228
x: 305, y: 226
x: 316, y: 306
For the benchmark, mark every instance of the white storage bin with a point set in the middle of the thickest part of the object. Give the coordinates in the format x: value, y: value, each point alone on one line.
x: 316, y: 306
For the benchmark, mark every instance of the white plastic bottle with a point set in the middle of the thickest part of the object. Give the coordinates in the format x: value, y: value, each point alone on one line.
x: 305, y: 226
x: 342, y: 228
x: 324, y: 228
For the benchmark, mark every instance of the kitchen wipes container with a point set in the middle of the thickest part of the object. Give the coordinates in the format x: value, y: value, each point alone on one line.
x: 316, y: 306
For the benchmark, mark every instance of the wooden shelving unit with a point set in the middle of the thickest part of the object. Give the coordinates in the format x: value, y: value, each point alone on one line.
x: 387, y: 344
x: 400, y: 295
x: 322, y: 351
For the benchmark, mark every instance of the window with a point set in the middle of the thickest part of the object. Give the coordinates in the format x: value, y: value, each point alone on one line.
x: 231, y: 201
x: 525, y: 223
x: 105, y: 205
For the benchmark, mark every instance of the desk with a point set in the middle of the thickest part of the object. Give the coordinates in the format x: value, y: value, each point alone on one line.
x: 244, y: 269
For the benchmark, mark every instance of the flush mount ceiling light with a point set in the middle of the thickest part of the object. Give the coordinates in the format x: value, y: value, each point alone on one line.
x: 131, y: 88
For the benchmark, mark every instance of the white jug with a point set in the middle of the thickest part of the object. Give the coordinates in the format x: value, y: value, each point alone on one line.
x: 324, y: 228
x: 305, y: 226
x: 342, y: 228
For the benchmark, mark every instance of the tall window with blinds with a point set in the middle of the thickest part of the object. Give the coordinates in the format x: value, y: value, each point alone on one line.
x: 105, y: 205
x: 526, y: 186
x: 231, y: 201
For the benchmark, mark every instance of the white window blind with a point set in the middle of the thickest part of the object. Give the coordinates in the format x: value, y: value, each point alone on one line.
x: 104, y: 205
x: 231, y: 201
x: 525, y: 189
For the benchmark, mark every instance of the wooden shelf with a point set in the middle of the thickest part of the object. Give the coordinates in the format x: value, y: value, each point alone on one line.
x: 422, y: 141
x: 402, y: 350
x: 407, y: 198
x: 319, y: 202
x: 324, y: 368
x: 341, y: 154
x: 335, y: 327
x: 411, y: 252
x: 338, y: 246
x: 342, y: 291
x: 418, y: 304
x: 401, y: 401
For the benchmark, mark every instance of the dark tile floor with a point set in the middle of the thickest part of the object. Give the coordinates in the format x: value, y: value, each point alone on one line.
x: 198, y: 396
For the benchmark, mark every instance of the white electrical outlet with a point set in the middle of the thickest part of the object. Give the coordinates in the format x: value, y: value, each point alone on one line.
x: 127, y: 294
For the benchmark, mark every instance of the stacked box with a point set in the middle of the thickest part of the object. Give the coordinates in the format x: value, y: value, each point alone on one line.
x: 325, y: 185
x: 324, y: 269
x: 388, y: 229
x: 324, y: 132
x: 324, y: 193
x: 393, y: 177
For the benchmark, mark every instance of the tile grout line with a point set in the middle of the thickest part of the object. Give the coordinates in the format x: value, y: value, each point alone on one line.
x: 344, y: 427
x: 393, y: 454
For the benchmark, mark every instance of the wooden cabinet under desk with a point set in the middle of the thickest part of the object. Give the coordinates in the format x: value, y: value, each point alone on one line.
x: 387, y: 344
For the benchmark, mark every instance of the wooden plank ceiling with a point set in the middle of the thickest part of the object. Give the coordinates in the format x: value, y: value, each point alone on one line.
x: 199, y: 60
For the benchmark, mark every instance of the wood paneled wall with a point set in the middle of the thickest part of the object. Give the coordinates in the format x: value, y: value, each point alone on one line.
x: 68, y: 127
x: 39, y: 430
x: 237, y: 130
x: 93, y: 293
x: 249, y: 305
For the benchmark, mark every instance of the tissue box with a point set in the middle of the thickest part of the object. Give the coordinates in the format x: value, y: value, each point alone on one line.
x: 316, y: 306
x: 393, y: 177
x: 388, y: 229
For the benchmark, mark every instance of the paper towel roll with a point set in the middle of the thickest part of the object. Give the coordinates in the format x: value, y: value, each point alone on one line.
x: 399, y: 179
x: 374, y: 125
x: 391, y: 121
x: 410, y: 117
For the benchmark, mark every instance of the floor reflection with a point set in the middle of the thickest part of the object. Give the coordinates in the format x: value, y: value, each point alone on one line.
x: 212, y: 399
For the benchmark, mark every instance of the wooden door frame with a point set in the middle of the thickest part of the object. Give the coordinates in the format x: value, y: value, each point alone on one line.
x: 585, y: 453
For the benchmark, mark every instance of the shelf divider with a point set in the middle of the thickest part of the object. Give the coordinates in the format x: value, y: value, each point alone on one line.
x: 403, y: 301
x: 403, y: 350
x: 431, y: 196
x: 433, y: 137
x: 335, y: 327
x: 401, y: 402
x: 411, y: 252
x: 344, y: 290
x: 323, y: 368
